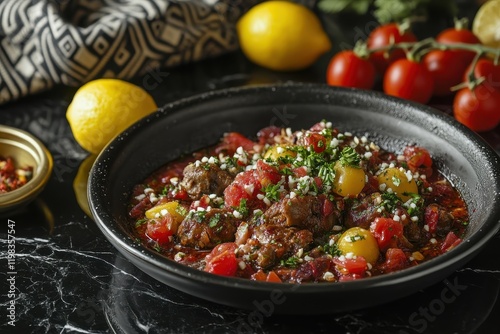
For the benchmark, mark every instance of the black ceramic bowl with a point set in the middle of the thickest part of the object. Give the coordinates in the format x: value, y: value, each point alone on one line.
x: 190, y: 124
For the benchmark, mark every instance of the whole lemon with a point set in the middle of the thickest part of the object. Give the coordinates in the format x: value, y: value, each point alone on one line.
x: 103, y: 108
x: 80, y: 183
x: 282, y: 36
x: 486, y: 24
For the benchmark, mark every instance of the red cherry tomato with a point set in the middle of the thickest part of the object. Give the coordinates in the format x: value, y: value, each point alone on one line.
x: 161, y: 229
x: 478, y: 110
x: 385, y: 35
x: 487, y: 69
x: 348, y: 70
x: 222, y: 260
x: 459, y: 35
x: 446, y: 69
x: 409, y: 80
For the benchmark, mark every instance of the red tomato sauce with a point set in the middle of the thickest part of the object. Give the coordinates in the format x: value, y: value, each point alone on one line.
x: 316, y: 205
x: 12, y: 178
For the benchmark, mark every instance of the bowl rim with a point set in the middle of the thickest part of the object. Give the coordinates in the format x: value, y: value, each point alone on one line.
x: 111, y: 228
x: 41, y: 171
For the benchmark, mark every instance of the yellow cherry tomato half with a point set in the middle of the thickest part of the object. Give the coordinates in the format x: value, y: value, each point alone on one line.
x: 164, y: 208
x: 349, y: 181
x: 277, y: 151
x: 360, y: 242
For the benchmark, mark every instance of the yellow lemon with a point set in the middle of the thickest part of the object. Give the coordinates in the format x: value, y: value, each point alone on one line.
x: 282, y: 36
x: 486, y: 24
x: 103, y: 108
x: 80, y: 183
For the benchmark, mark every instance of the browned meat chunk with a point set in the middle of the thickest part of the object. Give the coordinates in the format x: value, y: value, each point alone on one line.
x: 207, y: 229
x: 305, y: 212
x: 205, y: 179
x: 270, y: 243
x: 362, y: 213
x: 436, y: 215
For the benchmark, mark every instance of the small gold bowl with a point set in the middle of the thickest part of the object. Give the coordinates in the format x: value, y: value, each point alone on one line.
x: 26, y: 150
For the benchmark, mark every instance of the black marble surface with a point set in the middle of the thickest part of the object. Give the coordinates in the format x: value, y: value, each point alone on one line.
x: 69, y: 279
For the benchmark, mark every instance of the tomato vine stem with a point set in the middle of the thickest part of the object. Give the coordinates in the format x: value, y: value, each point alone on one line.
x: 415, y: 51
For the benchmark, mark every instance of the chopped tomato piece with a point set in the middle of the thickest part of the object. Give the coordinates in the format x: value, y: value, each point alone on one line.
x: 259, y: 276
x: 386, y: 231
x: 266, y: 135
x: 222, y: 260
x: 417, y: 157
x: 269, y: 277
x: 395, y: 259
x: 267, y: 174
x: 317, y: 141
x: 431, y: 217
x: 273, y: 277
x: 318, y: 127
x: 300, y: 171
x: 246, y: 186
x: 327, y: 208
x: 232, y: 141
x: 451, y: 241
x: 203, y: 202
x: 357, y: 265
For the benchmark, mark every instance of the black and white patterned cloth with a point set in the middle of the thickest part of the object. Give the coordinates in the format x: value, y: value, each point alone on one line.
x: 69, y: 42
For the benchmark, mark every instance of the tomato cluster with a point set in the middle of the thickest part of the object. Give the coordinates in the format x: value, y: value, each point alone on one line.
x: 417, y: 73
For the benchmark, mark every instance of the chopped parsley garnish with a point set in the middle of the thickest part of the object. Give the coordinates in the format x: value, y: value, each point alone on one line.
x: 214, y: 220
x: 181, y: 210
x: 242, y: 208
x: 333, y: 250
x: 286, y: 171
x: 396, y: 181
x: 198, y: 216
x: 272, y: 191
x: 285, y: 159
x: 166, y: 189
x: 389, y: 201
x: 141, y: 222
x: 357, y: 237
x: 415, y: 210
x: 157, y: 247
x: 327, y: 132
x: 231, y: 161
x: 349, y: 157
x: 327, y: 174
x: 291, y: 262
